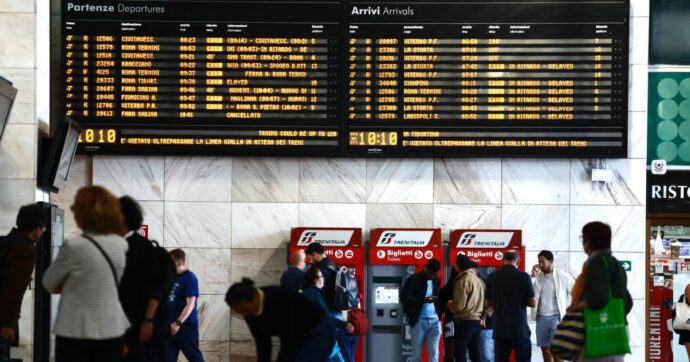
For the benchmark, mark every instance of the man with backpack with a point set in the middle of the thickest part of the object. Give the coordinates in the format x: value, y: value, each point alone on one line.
x: 346, y: 341
x: 147, y: 280
x: 17, y: 259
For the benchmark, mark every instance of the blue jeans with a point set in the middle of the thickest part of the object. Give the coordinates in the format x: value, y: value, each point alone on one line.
x: 318, y: 343
x: 486, y: 345
x: 347, y: 344
x: 427, y: 329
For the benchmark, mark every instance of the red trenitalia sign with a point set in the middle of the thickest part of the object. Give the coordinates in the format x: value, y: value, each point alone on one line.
x: 405, y: 246
x: 342, y: 245
x: 485, y: 247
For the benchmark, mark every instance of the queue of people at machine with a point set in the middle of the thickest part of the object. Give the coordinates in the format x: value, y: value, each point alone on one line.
x: 479, y: 319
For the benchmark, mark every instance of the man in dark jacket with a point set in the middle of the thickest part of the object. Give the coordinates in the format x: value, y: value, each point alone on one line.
x: 421, y: 305
x: 17, y: 259
x: 142, y: 291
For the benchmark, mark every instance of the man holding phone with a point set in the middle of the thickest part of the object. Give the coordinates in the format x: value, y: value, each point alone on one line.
x: 420, y: 304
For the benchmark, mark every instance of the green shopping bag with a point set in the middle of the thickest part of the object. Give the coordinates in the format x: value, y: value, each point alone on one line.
x: 605, y: 329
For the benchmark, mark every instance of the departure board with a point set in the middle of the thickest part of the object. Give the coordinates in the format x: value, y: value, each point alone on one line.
x: 357, y: 79
x: 204, y: 77
x: 511, y: 78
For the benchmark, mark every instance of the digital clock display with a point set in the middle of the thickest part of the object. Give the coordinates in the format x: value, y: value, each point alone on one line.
x: 338, y: 78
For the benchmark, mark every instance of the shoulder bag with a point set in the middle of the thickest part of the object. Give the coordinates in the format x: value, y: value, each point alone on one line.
x: 681, y: 316
x: 605, y: 329
x: 107, y: 258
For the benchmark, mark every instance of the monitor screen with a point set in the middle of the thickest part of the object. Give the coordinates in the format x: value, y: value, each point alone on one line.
x: 669, y: 32
x: 57, y: 154
x: 7, y: 95
x: 387, y: 295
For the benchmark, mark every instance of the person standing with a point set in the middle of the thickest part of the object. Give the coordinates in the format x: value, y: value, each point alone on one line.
x: 313, y: 290
x: 17, y: 259
x: 306, y: 332
x: 552, y: 289
x: 467, y: 307
x: 182, y: 309
x: 293, y: 277
x: 419, y: 298
x: 143, y: 291
x: 444, y: 296
x: 346, y: 341
x: 684, y: 336
x: 509, y: 292
x: 90, y: 322
x: 603, y: 275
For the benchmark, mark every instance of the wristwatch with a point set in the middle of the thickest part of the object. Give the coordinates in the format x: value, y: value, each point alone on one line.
x: 178, y: 322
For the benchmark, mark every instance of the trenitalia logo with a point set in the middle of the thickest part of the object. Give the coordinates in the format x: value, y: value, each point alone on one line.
x: 325, y: 237
x: 307, y: 237
x: 467, y: 238
x: 405, y: 239
x: 495, y: 240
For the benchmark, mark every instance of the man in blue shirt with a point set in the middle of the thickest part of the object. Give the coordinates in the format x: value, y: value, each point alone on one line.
x: 184, y: 324
x: 509, y: 291
x: 420, y: 303
x: 294, y: 276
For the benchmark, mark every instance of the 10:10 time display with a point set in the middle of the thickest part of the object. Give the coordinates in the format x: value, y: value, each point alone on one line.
x: 101, y: 135
x: 373, y: 138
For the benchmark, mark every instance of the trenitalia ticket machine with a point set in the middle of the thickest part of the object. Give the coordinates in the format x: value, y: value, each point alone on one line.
x: 343, y: 246
x: 394, y: 255
x: 486, y: 247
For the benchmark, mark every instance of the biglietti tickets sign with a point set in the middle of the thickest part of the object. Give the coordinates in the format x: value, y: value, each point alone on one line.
x: 342, y: 245
x: 669, y: 192
x: 485, y: 247
x: 405, y: 246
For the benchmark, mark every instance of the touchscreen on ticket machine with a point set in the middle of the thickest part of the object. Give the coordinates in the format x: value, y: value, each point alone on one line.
x: 394, y: 255
x: 486, y: 247
x: 344, y: 247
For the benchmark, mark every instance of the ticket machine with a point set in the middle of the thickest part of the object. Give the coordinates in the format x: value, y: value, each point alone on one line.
x: 486, y: 247
x: 343, y: 246
x: 394, y: 255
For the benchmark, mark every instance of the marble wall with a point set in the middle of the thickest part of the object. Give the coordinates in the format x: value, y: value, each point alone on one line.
x: 18, y: 148
x: 233, y: 215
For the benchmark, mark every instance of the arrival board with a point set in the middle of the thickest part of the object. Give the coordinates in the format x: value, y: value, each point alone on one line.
x: 487, y: 78
x: 361, y: 79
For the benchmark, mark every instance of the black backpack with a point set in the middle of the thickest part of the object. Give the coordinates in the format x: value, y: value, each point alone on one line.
x: 168, y: 267
x: 346, y: 294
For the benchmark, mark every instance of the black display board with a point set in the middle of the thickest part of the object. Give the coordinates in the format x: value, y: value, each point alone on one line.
x: 376, y: 79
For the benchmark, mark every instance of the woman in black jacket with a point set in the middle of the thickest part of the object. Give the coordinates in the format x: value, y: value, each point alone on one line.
x: 306, y: 332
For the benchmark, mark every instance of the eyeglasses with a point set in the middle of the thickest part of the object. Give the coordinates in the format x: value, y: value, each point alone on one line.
x: 319, y: 277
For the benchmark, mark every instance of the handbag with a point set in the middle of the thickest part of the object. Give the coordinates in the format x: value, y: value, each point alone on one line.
x: 359, y: 321
x: 681, y: 316
x: 605, y: 329
x: 569, y: 337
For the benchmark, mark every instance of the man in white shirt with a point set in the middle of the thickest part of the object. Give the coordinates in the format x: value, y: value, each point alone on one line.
x: 552, y: 290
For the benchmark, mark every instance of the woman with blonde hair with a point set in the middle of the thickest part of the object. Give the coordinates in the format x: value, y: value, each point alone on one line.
x: 90, y: 321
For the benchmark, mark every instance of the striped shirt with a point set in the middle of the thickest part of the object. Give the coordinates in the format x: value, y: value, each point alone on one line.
x: 89, y: 305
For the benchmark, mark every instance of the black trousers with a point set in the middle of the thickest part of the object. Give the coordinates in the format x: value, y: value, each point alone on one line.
x: 88, y: 350
x: 521, y: 346
x: 467, y: 340
x: 150, y: 351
